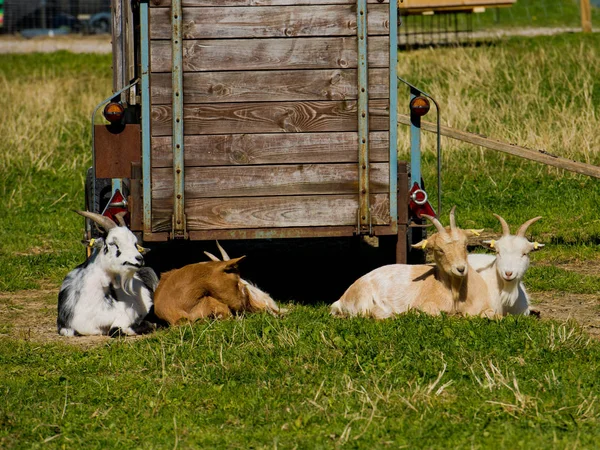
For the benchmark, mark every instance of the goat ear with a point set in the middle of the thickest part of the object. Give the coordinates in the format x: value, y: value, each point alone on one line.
x: 475, y: 232
x: 142, y: 250
x: 93, y: 243
x: 231, y: 266
x: 489, y: 244
x: 424, y: 244
x: 536, y: 245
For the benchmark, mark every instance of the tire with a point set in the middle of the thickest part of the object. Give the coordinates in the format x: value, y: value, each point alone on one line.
x: 95, y: 203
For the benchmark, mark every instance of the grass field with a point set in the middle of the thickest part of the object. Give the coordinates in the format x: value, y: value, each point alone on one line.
x: 308, y: 380
x: 534, y: 13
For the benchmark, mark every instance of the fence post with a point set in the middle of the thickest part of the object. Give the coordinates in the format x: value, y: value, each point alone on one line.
x: 586, y: 16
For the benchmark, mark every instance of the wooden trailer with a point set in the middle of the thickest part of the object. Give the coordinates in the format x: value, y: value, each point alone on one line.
x: 253, y: 119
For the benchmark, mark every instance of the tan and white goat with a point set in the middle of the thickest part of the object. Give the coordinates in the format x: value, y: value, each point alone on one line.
x: 449, y: 285
x: 208, y: 289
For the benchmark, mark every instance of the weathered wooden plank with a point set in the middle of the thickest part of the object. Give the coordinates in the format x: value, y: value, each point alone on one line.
x: 186, y: 3
x: 269, y: 54
x: 283, y: 148
x: 272, y: 233
x: 259, y: 22
x: 278, y: 85
x: 271, y: 212
x: 130, y: 51
x: 265, y: 181
x: 281, y: 233
x: 118, y: 46
x: 270, y: 117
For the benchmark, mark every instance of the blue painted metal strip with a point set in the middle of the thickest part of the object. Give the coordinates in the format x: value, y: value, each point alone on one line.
x: 179, y: 225
x: 364, y: 213
x: 415, y: 145
x: 416, y: 130
x: 393, y: 133
x: 117, y: 185
x: 145, y: 92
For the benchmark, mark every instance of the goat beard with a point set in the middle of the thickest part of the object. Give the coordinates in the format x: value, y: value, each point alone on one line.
x: 456, y: 284
x: 127, y: 282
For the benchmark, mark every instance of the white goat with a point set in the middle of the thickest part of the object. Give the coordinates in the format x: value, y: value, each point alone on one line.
x: 110, y: 293
x: 449, y: 286
x: 504, y: 271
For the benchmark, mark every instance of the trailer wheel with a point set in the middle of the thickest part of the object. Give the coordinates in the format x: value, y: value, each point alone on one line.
x: 95, y: 203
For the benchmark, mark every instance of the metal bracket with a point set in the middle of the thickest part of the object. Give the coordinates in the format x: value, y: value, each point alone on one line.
x: 179, y: 229
x: 364, y: 214
x: 180, y: 233
x: 367, y: 228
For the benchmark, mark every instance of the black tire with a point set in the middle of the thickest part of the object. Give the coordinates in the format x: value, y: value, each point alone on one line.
x: 95, y: 203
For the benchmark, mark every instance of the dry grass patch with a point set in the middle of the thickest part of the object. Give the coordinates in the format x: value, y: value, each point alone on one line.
x: 543, y: 98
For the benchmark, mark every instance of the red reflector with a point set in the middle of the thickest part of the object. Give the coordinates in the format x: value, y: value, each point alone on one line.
x: 117, y: 204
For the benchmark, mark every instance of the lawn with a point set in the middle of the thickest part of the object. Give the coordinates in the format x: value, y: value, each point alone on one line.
x: 308, y: 380
x: 535, y: 13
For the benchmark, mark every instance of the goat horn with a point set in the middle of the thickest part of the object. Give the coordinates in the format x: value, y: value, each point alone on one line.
x: 436, y: 222
x: 505, y: 227
x: 452, y: 219
x: 101, y: 220
x: 523, y: 228
x: 211, y: 256
x: 223, y: 252
x: 121, y: 218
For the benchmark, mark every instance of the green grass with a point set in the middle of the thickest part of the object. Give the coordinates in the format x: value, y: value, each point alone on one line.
x: 524, y: 16
x: 44, y: 151
x: 534, y: 13
x: 310, y: 381
x: 512, y: 91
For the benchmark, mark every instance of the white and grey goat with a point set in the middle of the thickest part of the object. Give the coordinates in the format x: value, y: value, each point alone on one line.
x: 111, y: 293
x: 503, y: 272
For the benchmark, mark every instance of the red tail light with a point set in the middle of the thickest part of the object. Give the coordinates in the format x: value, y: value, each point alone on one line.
x: 113, y: 112
x: 419, y: 106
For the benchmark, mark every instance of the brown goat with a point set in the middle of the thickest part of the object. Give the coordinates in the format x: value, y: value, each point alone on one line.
x: 208, y: 289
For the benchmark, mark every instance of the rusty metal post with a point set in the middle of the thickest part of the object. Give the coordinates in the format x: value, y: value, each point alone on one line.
x: 179, y: 229
x: 364, y: 212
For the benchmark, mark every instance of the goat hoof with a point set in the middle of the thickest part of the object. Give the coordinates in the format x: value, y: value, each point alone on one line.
x: 116, y: 332
x: 535, y: 313
x: 144, y: 327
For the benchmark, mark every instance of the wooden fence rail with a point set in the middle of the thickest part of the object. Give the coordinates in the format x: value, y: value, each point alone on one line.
x: 540, y: 156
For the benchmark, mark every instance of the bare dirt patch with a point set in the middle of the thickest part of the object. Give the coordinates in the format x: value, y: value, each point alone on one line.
x: 563, y: 306
x: 31, y: 316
